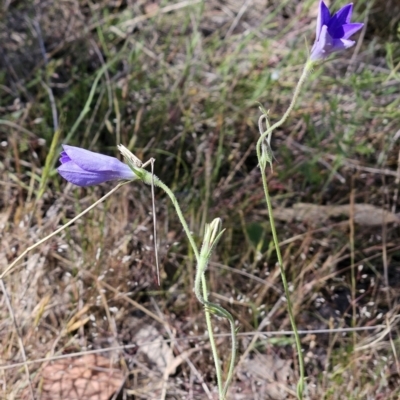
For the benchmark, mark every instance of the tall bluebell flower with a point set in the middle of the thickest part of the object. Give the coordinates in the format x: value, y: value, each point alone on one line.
x: 333, y: 32
x: 85, y: 168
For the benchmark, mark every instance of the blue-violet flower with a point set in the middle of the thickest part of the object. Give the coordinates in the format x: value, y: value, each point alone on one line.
x: 333, y: 33
x: 84, y: 168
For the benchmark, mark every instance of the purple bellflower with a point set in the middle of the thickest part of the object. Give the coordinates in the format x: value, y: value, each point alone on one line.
x: 84, y: 168
x: 333, y: 32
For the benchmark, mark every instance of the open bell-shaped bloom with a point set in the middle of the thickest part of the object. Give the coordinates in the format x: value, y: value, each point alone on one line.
x: 333, y: 32
x: 84, y: 168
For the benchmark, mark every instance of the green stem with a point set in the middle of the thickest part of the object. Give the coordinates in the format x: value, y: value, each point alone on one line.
x: 303, y: 77
x: 300, y: 386
x: 233, y: 356
x: 218, y: 370
x: 216, y: 309
x: 212, y: 236
x: 171, y: 195
x: 306, y: 70
x: 178, y: 210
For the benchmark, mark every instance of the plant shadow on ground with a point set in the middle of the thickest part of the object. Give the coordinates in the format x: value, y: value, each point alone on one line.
x: 180, y: 81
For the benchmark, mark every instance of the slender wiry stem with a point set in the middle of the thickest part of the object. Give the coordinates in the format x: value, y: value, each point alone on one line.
x: 168, y: 191
x: 212, y: 235
x: 262, y: 164
x: 286, y: 289
x: 306, y: 70
x: 233, y: 356
x: 218, y: 370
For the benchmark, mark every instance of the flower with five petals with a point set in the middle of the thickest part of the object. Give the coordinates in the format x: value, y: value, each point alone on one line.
x: 333, y: 32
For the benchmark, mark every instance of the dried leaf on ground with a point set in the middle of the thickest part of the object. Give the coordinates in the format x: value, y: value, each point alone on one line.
x: 364, y: 214
x: 152, y: 345
x: 272, y: 374
x: 90, y: 377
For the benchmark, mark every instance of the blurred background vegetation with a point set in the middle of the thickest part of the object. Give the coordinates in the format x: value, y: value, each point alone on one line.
x: 180, y: 81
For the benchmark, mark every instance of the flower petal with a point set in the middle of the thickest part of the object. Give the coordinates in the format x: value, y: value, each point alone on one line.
x: 323, y: 47
x: 343, y: 16
x: 95, y: 162
x: 342, y: 44
x: 64, y: 157
x: 323, y: 18
x: 351, y: 29
x: 80, y: 177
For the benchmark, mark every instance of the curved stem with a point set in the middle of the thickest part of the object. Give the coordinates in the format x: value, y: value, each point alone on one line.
x: 178, y: 210
x: 233, y: 356
x: 303, y: 77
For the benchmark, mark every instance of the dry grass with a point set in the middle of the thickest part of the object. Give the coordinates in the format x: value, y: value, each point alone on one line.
x: 180, y: 83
